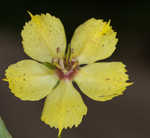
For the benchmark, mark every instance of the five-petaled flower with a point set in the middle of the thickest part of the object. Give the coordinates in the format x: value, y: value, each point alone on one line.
x: 55, y: 66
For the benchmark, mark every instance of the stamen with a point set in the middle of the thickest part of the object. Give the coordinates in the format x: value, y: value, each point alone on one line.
x: 75, y: 65
x: 57, y: 65
x: 61, y: 63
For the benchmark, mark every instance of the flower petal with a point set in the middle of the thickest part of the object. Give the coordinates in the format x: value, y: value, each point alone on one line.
x: 63, y: 107
x: 43, y: 36
x: 30, y: 80
x: 103, y: 81
x: 93, y: 40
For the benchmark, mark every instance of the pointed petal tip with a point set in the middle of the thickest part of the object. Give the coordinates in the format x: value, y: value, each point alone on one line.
x: 109, y: 21
x: 30, y: 14
x: 59, y: 133
x: 5, y: 79
x: 130, y: 83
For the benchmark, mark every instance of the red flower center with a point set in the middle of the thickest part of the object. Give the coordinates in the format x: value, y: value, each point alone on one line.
x: 68, y: 71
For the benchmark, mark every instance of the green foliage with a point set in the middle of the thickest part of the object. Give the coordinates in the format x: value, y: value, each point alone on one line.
x: 3, y: 130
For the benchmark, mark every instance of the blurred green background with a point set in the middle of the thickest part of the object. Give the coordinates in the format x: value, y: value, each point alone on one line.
x: 127, y: 116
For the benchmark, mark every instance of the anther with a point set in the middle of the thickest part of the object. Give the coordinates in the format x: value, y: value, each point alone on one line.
x: 61, y: 63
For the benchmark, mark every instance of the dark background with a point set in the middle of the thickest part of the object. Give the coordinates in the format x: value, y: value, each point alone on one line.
x: 127, y: 116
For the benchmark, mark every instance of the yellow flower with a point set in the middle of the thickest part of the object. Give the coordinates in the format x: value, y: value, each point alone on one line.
x: 55, y: 66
